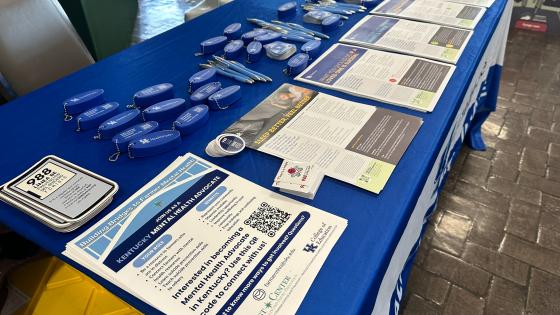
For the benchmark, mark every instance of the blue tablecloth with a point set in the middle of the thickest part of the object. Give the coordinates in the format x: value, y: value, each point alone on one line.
x: 32, y: 127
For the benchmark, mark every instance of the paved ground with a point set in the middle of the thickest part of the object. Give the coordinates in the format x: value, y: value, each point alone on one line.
x: 493, y: 245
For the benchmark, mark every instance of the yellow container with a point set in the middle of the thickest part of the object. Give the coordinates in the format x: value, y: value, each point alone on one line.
x: 54, y: 287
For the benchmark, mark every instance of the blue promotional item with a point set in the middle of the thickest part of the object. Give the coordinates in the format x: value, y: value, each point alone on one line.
x: 280, y: 50
x: 268, y: 37
x: 93, y: 117
x: 297, y: 64
x: 192, y: 119
x: 212, y: 45
x: 254, y: 51
x: 154, y: 143
x: 122, y: 139
x: 250, y: 36
x: 201, y: 78
x: 233, y: 49
x: 287, y: 10
x: 153, y: 94
x: 316, y: 16
x: 79, y: 103
x: 331, y: 23
x: 312, y: 48
x: 200, y: 96
x: 233, y: 31
x: 224, y: 97
x: 370, y: 3
x: 118, y: 123
x: 164, y: 110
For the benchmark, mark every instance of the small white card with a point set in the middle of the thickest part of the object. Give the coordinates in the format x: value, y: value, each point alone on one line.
x: 299, y: 178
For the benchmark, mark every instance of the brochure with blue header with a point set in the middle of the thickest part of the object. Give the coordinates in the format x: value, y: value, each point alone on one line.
x: 198, y: 239
x: 407, y: 81
x: 442, y: 43
x: 433, y: 11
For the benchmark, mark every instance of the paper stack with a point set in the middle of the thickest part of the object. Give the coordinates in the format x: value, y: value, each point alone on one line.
x: 198, y: 239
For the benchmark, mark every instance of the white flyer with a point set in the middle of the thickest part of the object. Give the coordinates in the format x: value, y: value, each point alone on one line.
x: 356, y: 143
x: 201, y: 240
x: 433, y: 11
x: 442, y: 43
x: 407, y: 81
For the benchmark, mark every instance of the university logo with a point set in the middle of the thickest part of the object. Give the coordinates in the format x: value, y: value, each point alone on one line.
x: 310, y: 248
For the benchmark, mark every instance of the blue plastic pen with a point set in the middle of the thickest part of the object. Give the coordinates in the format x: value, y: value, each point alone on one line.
x: 228, y: 64
x: 231, y: 74
x: 267, y: 78
x: 302, y: 28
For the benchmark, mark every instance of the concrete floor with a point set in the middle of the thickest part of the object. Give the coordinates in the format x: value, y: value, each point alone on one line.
x: 493, y: 246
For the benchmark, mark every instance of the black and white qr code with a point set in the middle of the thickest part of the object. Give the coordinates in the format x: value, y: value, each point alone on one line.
x: 267, y: 219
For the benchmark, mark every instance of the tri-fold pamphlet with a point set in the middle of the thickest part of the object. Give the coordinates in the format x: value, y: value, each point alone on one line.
x: 198, y: 239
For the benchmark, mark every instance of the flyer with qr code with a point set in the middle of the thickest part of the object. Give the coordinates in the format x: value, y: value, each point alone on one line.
x: 198, y: 239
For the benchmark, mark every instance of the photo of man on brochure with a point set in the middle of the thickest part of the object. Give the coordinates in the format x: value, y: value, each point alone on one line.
x: 266, y: 114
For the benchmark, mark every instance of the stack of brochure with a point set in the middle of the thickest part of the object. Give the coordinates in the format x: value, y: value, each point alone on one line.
x: 438, y: 42
x: 199, y: 239
x: 407, y: 81
x: 434, y: 11
x: 356, y: 143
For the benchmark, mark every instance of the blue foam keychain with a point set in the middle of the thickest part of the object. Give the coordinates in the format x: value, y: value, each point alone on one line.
x: 287, y: 10
x: 268, y: 38
x: 224, y: 97
x: 201, y: 78
x: 250, y: 36
x: 233, y: 31
x: 154, y: 143
x: 153, y: 94
x: 164, y: 110
x: 94, y: 116
x: 312, y: 48
x: 297, y: 64
x: 192, y: 119
x: 370, y: 3
x: 200, y: 96
x: 254, y: 51
x: 122, y: 139
x: 233, y: 49
x: 280, y: 50
x: 212, y: 45
x: 331, y: 23
x: 79, y: 103
x: 118, y: 123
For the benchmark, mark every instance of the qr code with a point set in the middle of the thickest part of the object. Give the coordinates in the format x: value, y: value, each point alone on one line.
x: 267, y: 219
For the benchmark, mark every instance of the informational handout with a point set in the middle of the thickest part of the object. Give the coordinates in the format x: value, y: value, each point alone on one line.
x: 198, y: 239
x: 433, y: 11
x: 407, y: 81
x: 356, y: 143
x: 420, y: 39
